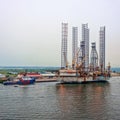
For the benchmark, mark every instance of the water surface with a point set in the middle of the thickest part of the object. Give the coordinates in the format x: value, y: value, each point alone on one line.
x: 52, y: 101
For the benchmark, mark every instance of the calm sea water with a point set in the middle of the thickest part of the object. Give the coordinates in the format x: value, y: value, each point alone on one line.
x: 52, y: 101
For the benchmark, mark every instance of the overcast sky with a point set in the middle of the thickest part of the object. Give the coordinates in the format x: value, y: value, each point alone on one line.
x: 30, y: 30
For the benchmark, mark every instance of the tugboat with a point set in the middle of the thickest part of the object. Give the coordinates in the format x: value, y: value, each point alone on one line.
x: 21, y: 81
x: 26, y: 81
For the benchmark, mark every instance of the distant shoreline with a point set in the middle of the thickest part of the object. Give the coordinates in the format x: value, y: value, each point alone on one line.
x: 115, y: 74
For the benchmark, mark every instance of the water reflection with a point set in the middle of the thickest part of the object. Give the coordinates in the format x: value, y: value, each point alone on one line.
x: 85, y: 100
x: 51, y: 101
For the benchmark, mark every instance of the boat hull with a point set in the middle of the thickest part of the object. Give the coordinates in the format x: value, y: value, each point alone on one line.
x: 22, y: 81
x: 10, y: 82
x: 26, y: 82
x: 81, y: 80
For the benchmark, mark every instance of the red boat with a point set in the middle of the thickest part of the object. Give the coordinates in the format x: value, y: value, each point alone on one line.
x: 26, y: 81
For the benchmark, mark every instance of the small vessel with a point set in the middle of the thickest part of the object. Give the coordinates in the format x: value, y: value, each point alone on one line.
x: 26, y: 81
x: 21, y: 81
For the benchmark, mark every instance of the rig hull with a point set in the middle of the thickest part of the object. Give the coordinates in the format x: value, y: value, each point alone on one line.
x: 80, y: 80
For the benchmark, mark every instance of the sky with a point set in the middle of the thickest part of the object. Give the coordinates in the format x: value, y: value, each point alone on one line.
x: 30, y: 30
